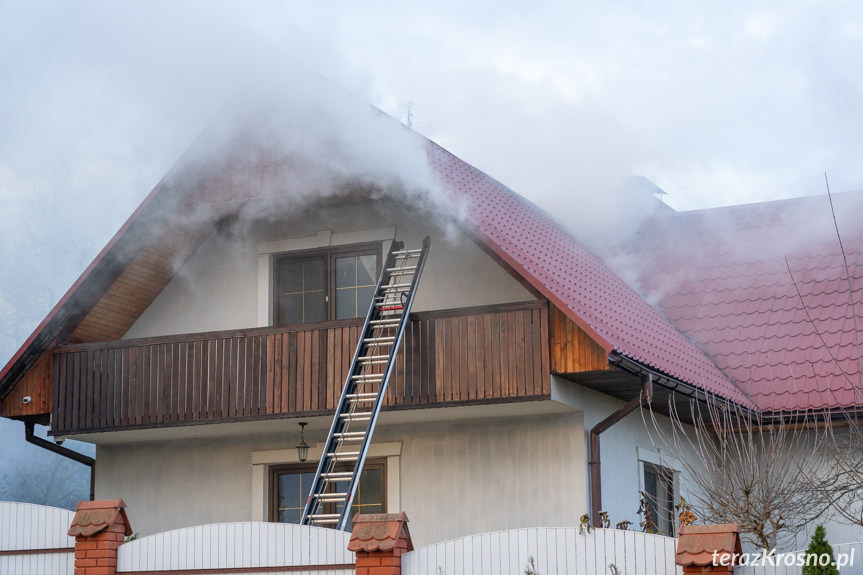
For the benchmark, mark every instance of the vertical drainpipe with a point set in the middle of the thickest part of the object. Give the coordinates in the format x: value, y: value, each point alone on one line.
x: 595, y: 461
x: 30, y: 436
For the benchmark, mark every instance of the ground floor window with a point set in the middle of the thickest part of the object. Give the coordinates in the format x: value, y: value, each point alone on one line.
x: 659, y: 488
x: 290, y: 486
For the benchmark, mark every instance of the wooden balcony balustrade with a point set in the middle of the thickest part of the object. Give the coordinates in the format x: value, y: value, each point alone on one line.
x: 494, y: 353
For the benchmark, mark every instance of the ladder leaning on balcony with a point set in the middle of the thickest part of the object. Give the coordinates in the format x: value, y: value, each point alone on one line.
x: 329, y: 501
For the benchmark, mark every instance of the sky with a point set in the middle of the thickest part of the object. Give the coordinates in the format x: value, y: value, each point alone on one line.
x: 717, y: 103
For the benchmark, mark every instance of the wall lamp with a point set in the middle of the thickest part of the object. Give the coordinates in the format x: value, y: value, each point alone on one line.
x: 302, y: 446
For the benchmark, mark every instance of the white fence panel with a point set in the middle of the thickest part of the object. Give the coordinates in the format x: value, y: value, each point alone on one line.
x: 555, y: 551
x: 848, y: 555
x: 241, y: 546
x: 34, y: 539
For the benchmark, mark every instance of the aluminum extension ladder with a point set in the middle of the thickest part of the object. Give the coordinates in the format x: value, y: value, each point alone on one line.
x: 333, y: 490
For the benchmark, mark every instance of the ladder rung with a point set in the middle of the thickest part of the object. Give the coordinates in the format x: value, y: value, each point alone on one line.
x: 330, y: 496
x: 402, y: 272
x: 359, y: 416
x: 346, y: 456
x: 350, y: 435
x: 338, y: 476
x: 407, y: 252
x: 384, y: 322
x: 390, y: 339
x: 372, y: 357
x: 402, y: 269
x: 328, y: 518
x: 373, y: 378
x: 362, y: 396
x: 384, y: 307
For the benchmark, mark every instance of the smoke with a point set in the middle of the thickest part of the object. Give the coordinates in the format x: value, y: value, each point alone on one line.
x: 558, y: 101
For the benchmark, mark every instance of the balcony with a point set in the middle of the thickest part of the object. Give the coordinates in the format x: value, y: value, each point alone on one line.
x: 456, y: 357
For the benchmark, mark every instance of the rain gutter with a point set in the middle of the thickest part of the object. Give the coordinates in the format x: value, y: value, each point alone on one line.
x: 30, y: 437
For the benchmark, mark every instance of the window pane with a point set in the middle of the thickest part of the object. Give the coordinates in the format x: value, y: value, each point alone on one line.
x: 364, y: 299
x: 370, y: 490
x: 293, y: 488
x: 290, y: 309
x: 313, y: 275
x: 300, y: 293
x: 314, y: 307
x: 367, y: 270
x: 346, y: 272
x: 650, y: 488
x: 346, y: 303
x: 290, y: 277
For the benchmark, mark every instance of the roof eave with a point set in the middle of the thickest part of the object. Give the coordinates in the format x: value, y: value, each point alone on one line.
x: 671, y: 383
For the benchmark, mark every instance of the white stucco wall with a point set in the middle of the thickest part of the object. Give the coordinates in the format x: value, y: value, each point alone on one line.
x: 453, y: 478
x: 225, y: 284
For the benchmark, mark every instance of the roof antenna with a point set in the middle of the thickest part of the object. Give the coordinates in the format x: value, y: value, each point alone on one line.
x: 408, y: 113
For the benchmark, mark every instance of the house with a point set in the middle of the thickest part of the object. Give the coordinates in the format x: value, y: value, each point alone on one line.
x: 226, y: 309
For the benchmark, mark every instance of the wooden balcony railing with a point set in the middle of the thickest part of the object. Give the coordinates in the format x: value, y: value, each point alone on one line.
x: 495, y: 353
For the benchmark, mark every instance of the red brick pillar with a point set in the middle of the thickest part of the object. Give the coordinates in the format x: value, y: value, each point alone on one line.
x: 99, y: 528
x: 379, y: 540
x: 708, y: 548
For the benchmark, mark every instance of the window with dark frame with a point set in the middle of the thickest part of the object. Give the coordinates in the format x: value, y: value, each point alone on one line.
x: 321, y: 285
x: 659, y: 487
x: 290, y: 486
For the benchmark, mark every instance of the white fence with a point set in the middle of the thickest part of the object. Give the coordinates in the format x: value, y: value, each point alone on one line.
x: 268, y: 546
x: 848, y: 555
x: 556, y: 551
x: 33, y: 539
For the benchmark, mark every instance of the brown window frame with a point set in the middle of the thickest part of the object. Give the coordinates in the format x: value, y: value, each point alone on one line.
x: 276, y: 470
x: 329, y: 255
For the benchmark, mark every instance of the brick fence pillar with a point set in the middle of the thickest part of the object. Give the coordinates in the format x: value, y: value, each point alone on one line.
x: 99, y: 528
x: 379, y: 540
x: 708, y: 548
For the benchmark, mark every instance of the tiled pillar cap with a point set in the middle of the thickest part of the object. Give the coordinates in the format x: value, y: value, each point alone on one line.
x: 699, y: 544
x: 380, y: 532
x: 91, y: 517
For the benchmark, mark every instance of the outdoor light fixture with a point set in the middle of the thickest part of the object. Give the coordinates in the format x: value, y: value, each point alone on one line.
x: 302, y: 446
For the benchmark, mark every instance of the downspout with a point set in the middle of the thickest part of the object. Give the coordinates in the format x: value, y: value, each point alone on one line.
x: 29, y: 427
x: 595, y: 461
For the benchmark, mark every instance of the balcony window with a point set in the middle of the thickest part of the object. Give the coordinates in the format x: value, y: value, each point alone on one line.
x: 323, y: 285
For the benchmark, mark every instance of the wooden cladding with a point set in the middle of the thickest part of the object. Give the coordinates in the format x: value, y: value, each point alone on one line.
x: 31, y: 396
x: 572, y: 350
x: 472, y: 355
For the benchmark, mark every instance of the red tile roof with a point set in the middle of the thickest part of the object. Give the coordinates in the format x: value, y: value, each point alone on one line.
x: 576, y: 281
x: 720, y: 276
